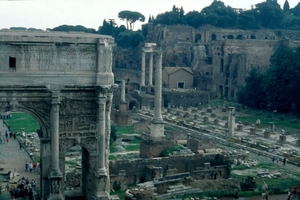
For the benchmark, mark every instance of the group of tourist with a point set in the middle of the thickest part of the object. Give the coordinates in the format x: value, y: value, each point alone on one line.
x: 23, y: 189
x: 6, y: 137
x: 32, y: 167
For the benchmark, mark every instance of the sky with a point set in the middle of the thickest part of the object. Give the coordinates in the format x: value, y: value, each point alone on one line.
x: 43, y: 14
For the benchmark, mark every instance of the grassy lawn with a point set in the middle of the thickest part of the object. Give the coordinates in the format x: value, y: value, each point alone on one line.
x: 125, y: 130
x: 132, y: 147
x: 22, y: 120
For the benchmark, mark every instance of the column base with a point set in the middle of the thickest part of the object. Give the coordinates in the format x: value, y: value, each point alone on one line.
x: 55, y: 197
x: 55, y: 174
x: 101, y: 196
x: 100, y: 172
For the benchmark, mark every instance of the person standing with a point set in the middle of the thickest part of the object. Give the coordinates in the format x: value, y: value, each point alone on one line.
x: 267, y: 195
x: 26, y: 167
x: 30, y: 166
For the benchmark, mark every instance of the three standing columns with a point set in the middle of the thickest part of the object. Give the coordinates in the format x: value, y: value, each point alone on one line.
x: 148, y: 48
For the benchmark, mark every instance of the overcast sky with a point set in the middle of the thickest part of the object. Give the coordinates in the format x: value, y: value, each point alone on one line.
x: 44, y: 14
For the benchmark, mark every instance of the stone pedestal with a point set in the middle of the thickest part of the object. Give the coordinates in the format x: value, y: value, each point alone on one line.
x: 267, y: 134
x: 226, y: 125
x: 152, y: 149
x: 240, y: 127
x: 187, y: 115
x: 157, y: 130
x: 205, y: 119
x: 282, y: 138
x: 216, y: 121
x: 213, y: 115
x: 194, y: 110
x: 252, y: 130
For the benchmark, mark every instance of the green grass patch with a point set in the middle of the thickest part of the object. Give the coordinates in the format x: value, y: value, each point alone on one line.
x: 132, y: 147
x: 112, y: 157
x: 113, y: 149
x: 169, y: 151
x: 286, y: 124
x: 124, y: 130
x: 22, y: 120
x: 136, y: 141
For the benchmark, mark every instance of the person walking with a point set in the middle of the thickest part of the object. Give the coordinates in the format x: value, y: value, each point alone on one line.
x: 284, y: 161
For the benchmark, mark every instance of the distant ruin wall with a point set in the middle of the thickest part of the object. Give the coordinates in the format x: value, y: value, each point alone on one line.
x: 134, y: 171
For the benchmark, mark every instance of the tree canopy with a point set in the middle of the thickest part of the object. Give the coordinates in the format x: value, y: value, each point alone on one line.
x: 277, y: 89
x: 130, y: 18
x: 267, y: 14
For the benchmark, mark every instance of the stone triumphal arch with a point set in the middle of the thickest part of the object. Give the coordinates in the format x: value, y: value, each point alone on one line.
x: 65, y: 81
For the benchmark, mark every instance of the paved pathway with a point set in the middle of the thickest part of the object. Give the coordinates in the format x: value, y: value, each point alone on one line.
x: 12, y: 158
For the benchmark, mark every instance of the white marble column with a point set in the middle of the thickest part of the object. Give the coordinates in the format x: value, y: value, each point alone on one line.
x: 54, y: 120
x: 143, y: 69
x: 55, y: 175
x: 101, y: 135
x: 158, y: 86
x: 231, y: 119
x: 123, y: 91
x: 150, y: 82
x: 157, y: 124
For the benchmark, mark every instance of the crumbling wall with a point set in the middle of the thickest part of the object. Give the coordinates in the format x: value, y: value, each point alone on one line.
x: 134, y: 171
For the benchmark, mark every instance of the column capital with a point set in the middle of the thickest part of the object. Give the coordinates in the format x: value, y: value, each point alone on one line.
x: 105, y: 91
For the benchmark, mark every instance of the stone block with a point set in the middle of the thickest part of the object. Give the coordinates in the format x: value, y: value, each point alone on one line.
x: 205, y: 119
x: 226, y: 125
x: 252, y: 130
x: 240, y: 127
x: 282, y: 138
x: 267, y: 134
x: 216, y: 121
x: 187, y: 115
x: 208, y: 110
x: 194, y: 110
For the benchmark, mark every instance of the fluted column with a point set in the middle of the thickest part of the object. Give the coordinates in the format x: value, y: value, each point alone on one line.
x: 143, y: 69
x: 150, y: 83
x: 55, y: 175
x: 54, y: 120
x: 123, y: 91
x: 101, y: 135
x: 158, y: 86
